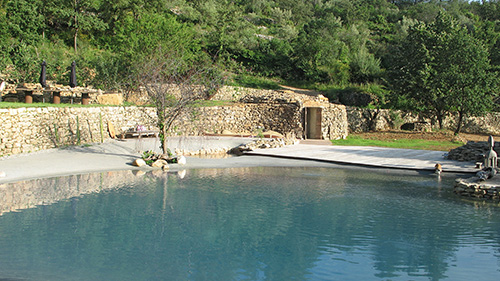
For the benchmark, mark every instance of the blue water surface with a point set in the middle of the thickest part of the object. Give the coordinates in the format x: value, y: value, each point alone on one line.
x: 247, y: 224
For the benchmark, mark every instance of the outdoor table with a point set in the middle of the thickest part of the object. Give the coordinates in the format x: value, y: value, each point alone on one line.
x: 56, y: 94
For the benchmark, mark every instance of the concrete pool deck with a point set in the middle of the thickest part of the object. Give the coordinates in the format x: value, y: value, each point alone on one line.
x: 119, y: 154
x: 380, y: 157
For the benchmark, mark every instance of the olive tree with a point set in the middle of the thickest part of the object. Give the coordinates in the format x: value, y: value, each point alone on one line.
x: 171, y: 85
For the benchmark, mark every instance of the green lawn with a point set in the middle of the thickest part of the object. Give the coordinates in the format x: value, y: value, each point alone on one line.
x: 400, y: 143
x: 39, y: 104
x: 201, y: 103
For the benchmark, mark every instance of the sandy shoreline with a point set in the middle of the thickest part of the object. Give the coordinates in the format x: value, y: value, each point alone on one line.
x: 115, y: 155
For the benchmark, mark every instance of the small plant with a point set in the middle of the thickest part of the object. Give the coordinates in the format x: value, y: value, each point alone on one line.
x: 169, y: 153
x: 149, y: 157
x: 395, y: 119
x: 78, y: 135
x: 260, y: 132
x: 56, y: 135
x: 101, y: 127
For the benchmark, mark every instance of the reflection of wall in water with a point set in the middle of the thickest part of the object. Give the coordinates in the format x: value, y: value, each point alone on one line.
x: 32, y: 193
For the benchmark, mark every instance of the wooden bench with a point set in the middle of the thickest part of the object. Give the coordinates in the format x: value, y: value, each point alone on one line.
x: 139, y: 134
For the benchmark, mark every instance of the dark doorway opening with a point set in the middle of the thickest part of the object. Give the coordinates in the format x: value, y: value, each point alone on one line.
x: 313, y: 123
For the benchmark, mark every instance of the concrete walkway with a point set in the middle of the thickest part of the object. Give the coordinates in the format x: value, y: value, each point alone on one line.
x: 381, y: 157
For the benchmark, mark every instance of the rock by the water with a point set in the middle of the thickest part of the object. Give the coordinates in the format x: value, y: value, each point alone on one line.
x: 2, y: 174
x: 486, y: 173
x: 181, y: 160
x: 473, y: 187
x: 139, y: 163
x: 239, y: 150
x: 160, y: 163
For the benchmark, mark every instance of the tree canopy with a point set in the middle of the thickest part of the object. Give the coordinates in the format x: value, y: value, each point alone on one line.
x: 335, y: 43
x: 440, y: 69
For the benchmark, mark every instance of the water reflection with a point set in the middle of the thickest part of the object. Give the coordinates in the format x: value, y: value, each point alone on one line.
x: 32, y: 193
x: 250, y: 224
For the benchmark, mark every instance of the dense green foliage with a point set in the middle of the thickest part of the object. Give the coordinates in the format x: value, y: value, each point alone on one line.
x: 327, y: 44
x: 441, y: 68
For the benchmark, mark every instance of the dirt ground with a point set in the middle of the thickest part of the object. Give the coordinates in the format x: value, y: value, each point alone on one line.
x: 439, y: 136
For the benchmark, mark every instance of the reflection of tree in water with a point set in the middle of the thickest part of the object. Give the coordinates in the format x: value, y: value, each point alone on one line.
x: 419, y: 235
x: 247, y: 223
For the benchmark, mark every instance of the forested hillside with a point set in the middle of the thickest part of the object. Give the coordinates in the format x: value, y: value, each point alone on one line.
x: 330, y: 43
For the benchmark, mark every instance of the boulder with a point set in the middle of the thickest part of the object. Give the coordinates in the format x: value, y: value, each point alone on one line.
x: 139, y: 162
x: 160, y: 163
x: 181, y: 160
x: 239, y: 150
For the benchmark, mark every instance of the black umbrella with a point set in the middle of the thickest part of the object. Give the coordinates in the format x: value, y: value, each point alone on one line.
x: 72, y: 78
x: 43, y: 75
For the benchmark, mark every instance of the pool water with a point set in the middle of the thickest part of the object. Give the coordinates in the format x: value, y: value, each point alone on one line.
x: 253, y: 224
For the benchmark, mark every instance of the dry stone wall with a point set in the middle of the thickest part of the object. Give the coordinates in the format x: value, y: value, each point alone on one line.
x: 25, y: 130
x: 334, y: 122
x: 473, y: 188
x: 364, y: 120
x: 240, y: 118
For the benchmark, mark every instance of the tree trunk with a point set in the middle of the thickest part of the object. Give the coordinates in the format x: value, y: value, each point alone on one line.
x: 74, y: 39
x: 459, y: 124
x: 76, y: 25
x: 162, y: 119
x: 164, y: 146
x: 440, y: 120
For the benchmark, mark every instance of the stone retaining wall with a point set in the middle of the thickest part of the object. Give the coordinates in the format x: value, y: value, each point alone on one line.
x: 471, y: 188
x: 25, y: 130
x: 364, y: 120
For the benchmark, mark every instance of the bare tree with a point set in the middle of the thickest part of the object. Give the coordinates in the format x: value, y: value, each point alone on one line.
x: 171, y: 86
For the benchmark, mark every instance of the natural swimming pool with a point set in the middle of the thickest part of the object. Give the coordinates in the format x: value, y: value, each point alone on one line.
x: 267, y: 223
